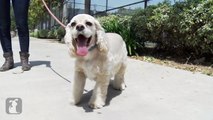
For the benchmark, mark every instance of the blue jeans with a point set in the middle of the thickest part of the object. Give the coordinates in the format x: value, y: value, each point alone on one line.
x: 20, y: 8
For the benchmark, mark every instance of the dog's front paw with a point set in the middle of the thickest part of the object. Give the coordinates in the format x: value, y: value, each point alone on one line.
x: 96, y: 105
x: 117, y: 86
x: 73, y: 102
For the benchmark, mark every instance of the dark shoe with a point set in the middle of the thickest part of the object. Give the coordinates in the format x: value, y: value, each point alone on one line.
x: 24, y: 56
x: 9, y: 62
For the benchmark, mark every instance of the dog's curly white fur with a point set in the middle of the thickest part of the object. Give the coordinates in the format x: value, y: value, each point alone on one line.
x: 99, y: 56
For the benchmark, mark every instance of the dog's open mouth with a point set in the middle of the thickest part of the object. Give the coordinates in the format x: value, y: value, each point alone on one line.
x: 82, y: 44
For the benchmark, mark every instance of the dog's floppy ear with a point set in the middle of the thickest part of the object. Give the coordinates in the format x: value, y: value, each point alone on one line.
x: 68, y: 35
x: 68, y: 40
x: 101, y: 38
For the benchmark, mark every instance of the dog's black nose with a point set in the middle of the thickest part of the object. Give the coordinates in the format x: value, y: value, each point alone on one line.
x: 80, y: 27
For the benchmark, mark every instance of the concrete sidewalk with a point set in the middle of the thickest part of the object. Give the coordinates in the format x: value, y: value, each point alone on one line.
x: 154, y: 92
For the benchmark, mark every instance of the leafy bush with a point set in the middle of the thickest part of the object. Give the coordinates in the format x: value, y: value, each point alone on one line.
x: 42, y: 33
x: 51, y: 34
x: 59, y: 33
x: 34, y: 33
x: 139, y: 24
x: 31, y: 34
x: 185, y: 27
x: 121, y: 25
x: 197, y: 27
x: 55, y: 33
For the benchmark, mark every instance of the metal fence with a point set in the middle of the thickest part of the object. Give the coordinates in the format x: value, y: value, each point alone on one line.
x: 71, y: 8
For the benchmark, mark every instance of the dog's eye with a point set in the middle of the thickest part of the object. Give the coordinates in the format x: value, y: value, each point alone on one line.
x: 89, y: 23
x: 73, y: 24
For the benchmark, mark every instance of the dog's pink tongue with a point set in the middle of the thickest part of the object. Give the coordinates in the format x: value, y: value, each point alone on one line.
x: 82, y: 51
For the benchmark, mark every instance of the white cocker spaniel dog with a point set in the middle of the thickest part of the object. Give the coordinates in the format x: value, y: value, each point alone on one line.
x: 99, y: 56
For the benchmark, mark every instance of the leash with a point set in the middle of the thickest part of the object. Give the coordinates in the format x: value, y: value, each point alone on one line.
x: 50, y: 12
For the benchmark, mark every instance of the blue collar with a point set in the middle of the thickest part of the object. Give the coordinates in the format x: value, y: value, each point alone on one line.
x: 92, y: 47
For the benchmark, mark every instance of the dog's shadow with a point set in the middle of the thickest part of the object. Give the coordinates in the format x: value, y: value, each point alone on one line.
x: 112, y: 93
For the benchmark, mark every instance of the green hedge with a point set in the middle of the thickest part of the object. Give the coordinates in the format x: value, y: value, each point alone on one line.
x: 42, y: 33
x: 54, y: 33
x: 59, y: 33
x: 183, y: 28
x: 122, y: 26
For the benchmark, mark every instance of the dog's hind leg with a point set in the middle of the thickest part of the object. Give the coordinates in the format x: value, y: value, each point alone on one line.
x: 78, y: 86
x: 118, y: 82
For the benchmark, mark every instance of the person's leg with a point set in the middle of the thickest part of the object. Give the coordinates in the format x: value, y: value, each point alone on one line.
x: 5, y: 26
x: 21, y: 17
x: 5, y: 37
x: 20, y: 8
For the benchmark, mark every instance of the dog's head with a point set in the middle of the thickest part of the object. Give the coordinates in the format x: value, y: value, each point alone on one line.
x: 83, y: 34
